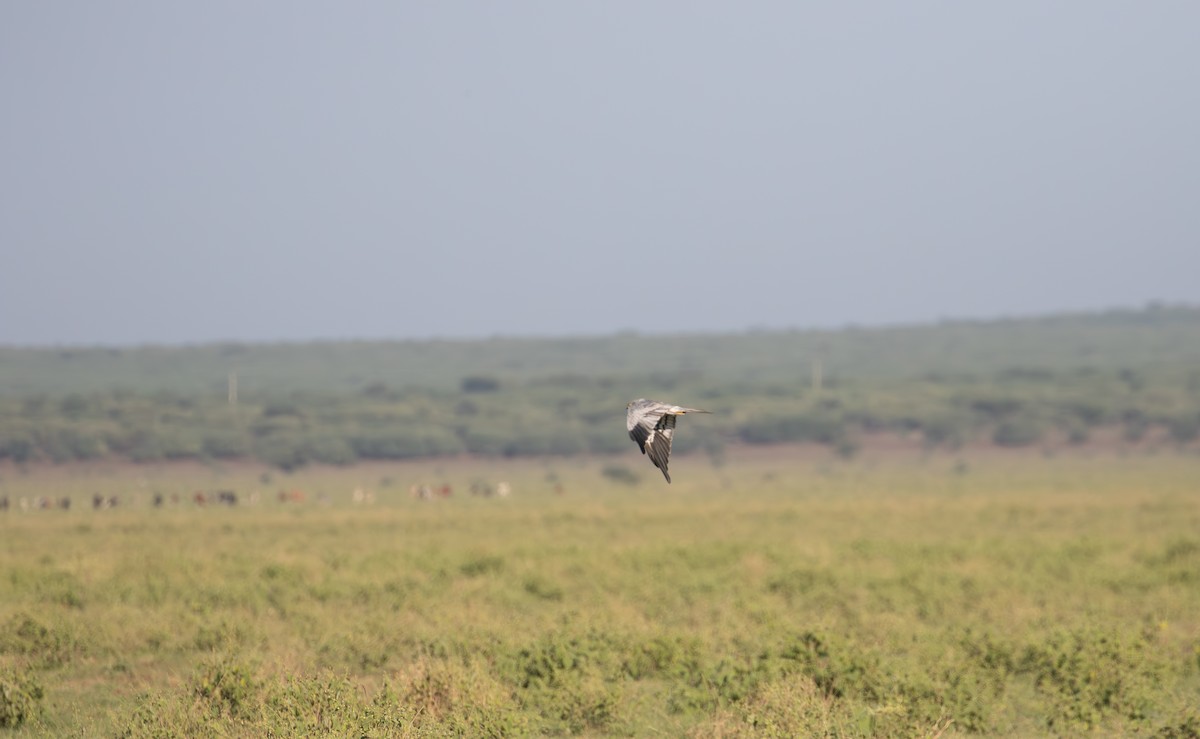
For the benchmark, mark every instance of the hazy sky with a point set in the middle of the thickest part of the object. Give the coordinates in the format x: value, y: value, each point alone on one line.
x: 186, y: 172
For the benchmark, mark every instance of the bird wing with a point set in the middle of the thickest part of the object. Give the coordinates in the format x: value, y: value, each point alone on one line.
x: 642, y: 418
x: 658, y: 445
x: 652, y: 426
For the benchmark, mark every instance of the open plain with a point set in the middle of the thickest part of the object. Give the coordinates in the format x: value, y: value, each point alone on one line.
x: 773, y: 591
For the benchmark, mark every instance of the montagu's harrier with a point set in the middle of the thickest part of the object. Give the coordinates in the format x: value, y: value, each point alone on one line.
x: 652, y: 424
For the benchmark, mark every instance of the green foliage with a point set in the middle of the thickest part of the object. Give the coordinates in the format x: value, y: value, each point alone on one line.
x: 1087, y: 676
x: 226, y: 686
x: 1184, y: 428
x: 1187, y: 728
x: 562, y: 678
x: 332, y: 705
x: 39, y: 643
x: 20, y: 698
x: 455, y: 696
x: 1015, y: 383
x: 620, y: 474
x: 820, y: 427
x: 19, y: 445
x: 875, y: 597
x: 223, y: 444
x: 476, y: 384
x: 325, y: 704
x: 482, y: 564
x: 1018, y: 432
x: 540, y: 587
x: 1040, y: 350
x: 950, y: 431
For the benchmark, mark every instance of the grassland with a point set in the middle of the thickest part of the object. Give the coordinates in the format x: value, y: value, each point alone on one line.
x: 775, y: 591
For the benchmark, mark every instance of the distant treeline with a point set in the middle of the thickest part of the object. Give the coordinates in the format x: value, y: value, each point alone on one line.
x: 1015, y: 382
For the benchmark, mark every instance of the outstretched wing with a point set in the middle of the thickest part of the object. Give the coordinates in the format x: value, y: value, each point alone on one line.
x: 641, y: 416
x: 658, y: 445
x: 652, y: 427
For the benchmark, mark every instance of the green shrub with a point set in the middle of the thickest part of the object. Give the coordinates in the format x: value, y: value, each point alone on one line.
x: 669, y: 656
x: 18, y: 445
x: 226, y: 686
x: 312, y: 705
x: 822, y: 428
x: 286, y: 454
x: 1187, y: 727
x: 42, y: 645
x: 945, y: 431
x: 621, y: 474
x: 797, y: 584
x: 792, y: 706
x: 405, y: 444
x: 569, y: 681
x: 486, y: 441
x: 1019, y: 431
x: 1136, y: 424
x: 1185, y: 428
x: 480, y: 384
x: 836, y: 667
x: 529, y: 442
x: 162, y: 717
x: 482, y: 564
x: 542, y: 588
x: 457, y: 697
x: 69, y: 443
x: 227, y: 445
x: 20, y: 698
x: 1089, y: 676
x: 1078, y: 433
x: 329, y: 450
x: 330, y: 705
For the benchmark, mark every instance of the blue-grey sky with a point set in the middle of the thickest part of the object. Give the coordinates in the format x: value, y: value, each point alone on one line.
x: 189, y: 172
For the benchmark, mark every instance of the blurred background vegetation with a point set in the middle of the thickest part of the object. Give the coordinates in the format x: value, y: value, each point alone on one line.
x: 1014, y: 382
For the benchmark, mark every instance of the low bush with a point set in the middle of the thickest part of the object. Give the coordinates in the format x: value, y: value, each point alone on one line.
x: 226, y: 686
x: 40, y: 644
x: 20, y: 698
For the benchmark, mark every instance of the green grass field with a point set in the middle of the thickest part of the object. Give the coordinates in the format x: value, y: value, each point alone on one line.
x: 996, y: 593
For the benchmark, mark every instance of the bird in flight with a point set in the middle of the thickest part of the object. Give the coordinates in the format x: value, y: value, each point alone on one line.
x: 652, y: 424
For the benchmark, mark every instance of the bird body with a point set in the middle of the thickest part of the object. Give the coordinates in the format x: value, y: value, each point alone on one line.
x: 651, y: 424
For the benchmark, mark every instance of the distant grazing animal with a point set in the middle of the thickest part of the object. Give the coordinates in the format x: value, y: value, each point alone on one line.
x: 652, y: 424
x: 360, y: 496
x: 227, y: 497
x: 425, y: 492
